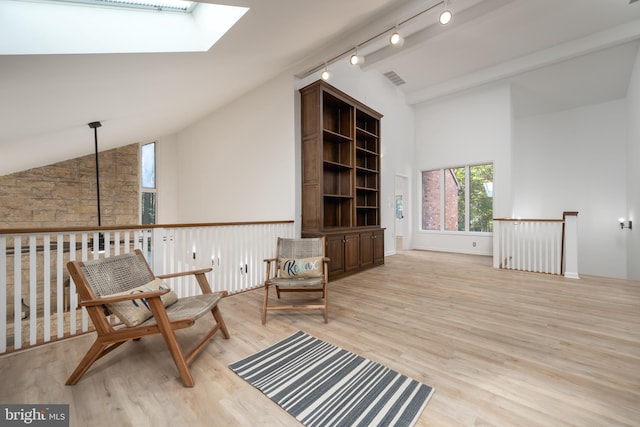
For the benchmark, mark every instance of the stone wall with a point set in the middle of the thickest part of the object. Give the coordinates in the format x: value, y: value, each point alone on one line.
x: 64, y: 194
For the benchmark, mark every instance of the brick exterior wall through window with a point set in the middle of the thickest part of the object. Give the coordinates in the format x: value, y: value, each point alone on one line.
x: 431, y: 211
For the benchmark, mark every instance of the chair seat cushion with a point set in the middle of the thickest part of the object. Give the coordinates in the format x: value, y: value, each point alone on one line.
x: 297, y: 282
x: 134, y: 312
x: 190, y: 307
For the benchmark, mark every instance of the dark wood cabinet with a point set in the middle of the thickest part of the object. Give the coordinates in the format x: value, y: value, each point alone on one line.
x: 335, y: 250
x: 378, y: 247
x: 351, y: 253
x: 341, y: 177
x: 371, y: 248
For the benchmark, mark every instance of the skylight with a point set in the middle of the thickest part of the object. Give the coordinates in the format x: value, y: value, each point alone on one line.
x: 162, y: 5
x: 90, y: 26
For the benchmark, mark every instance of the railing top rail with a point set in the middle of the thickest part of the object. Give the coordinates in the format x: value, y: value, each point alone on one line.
x: 528, y: 220
x: 565, y: 214
x: 134, y: 227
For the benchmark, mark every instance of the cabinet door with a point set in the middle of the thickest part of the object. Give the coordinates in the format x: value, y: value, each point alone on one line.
x: 366, y: 249
x: 378, y: 247
x: 335, y: 251
x: 351, y: 252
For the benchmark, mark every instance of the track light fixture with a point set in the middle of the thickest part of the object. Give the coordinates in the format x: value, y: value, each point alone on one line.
x: 325, y: 74
x: 395, y: 39
x: 356, y: 59
x: 445, y: 16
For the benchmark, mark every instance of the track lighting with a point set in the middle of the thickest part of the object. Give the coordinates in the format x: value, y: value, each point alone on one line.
x: 445, y: 16
x: 325, y: 74
x: 356, y: 59
x: 396, y: 39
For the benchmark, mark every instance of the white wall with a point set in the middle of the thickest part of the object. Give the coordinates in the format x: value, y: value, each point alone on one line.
x: 237, y: 164
x: 470, y: 128
x: 633, y: 173
x: 397, y: 137
x: 167, y: 179
x: 575, y: 161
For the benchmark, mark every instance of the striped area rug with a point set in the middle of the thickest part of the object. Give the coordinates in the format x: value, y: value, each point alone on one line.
x: 321, y: 384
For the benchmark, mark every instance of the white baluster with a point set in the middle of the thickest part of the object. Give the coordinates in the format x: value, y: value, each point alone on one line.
x: 3, y: 294
x: 46, y: 285
x: 17, y: 292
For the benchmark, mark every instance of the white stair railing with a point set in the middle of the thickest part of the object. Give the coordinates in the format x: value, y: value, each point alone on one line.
x: 38, y: 301
x: 537, y: 245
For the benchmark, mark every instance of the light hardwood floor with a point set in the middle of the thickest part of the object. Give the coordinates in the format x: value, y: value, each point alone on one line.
x: 501, y: 348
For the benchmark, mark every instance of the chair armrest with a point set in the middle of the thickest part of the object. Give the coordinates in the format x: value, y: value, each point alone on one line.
x: 200, y: 276
x: 116, y: 298
x: 268, y: 262
x: 184, y: 273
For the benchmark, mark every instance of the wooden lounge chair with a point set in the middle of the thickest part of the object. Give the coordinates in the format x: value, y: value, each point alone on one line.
x: 124, y: 284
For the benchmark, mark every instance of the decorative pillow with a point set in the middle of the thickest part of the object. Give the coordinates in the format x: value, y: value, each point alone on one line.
x: 301, y: 267
x: 134, y: 312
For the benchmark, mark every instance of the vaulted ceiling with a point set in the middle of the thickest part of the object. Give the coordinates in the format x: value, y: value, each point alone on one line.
x: 557, y: 54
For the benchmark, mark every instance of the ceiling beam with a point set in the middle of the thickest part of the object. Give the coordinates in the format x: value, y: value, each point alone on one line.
x: 583, y: 46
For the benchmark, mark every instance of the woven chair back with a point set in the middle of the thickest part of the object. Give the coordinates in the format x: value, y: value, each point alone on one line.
x: 300, y: 248
x: 115, y: 274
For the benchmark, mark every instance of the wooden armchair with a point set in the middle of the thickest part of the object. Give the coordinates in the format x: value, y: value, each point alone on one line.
x: 125, y: 285
x: 300, y: 265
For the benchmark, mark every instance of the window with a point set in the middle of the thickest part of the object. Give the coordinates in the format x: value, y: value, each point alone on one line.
x: 148, y: 183
x: 399, y: 207
x: 454, y: 190
x: 481, y: 198
x: 463, y: 194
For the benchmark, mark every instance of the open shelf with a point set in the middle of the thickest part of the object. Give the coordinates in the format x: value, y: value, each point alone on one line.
x: 337, y: 151
x: 368, y: 181
x: 367, y: 123
x: 337, y: 181
x: 337, y: 115
x: 366, y: 198
x: 367, y: 142
x: 337, y: 211
x: 367, y: 218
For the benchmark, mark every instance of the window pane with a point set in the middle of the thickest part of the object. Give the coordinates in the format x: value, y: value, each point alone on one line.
x: 148, y: 208
x: 399, y: 207
x: 454, y: 199
x: 431, y: 200
x: 481, y: 198
x: 149, y: 165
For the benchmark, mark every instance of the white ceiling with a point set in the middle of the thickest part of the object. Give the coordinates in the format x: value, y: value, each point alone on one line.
x: 557, y: 54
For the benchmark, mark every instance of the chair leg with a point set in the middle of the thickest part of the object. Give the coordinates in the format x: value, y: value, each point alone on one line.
x: 170, y: 339
x: 94, y: 353
x: 217, y: 314
x: 326, y: 304
x: 178, y: 358
x: 264, y: 304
